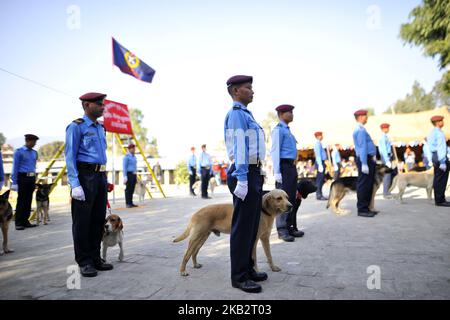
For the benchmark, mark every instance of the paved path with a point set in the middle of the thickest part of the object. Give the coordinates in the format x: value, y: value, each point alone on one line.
x: 410, y: 243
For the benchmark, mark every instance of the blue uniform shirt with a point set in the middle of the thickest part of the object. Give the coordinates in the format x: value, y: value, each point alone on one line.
x: 284, y: 145
x: 191, y: 162
x: 129, y: 164
x: 2, y: 172
x: 336, y: 157
x: 204, y: 161
x: 437, y: 143
x: 364, y: 145
x: 85, y: 142
x: 319, y: 152
x: 385, y: 148
x: 244, y: 139
x: 426, y: 151
x: 24, y: 161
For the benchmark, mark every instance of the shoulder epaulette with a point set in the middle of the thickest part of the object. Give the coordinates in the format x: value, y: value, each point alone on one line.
x: 78, y: 121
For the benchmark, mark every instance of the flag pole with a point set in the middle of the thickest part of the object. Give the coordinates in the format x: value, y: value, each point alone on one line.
x: 113, y: 170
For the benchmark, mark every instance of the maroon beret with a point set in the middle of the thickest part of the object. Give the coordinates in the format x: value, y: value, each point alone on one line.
x: 92, y: 96
x: 437, y: 118
x: 239, y: 79
x: 31, y: 137
x: 131, y: 146
x: 318, y: 133
x: 284, y: 108
x: 360, y: 112
x: 385, y: 125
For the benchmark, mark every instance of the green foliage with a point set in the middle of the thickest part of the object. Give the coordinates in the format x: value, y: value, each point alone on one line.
x: 47, y: 151
x: 2, y: 139
x: 181, y: 173
x: 429, y: 28
x: 370, y: 111
x: 420, y: 100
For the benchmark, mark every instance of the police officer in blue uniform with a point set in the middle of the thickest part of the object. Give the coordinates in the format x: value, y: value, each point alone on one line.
x: 284, y: 156
x: 321, y: 156
x: 385, y: 149
x: 192, y: 169
x: 205, y: 169
x: 24, y: 180
x: 438, y: 148
x: 130, y: 175
x: 244, y: 139
x: 336, y: 159
x: 85, y: 152
x: 365, y: 161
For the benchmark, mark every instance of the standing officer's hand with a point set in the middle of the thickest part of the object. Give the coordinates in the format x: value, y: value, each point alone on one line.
x: 278, y: 178
x: 389, y: 164
x: 430, y: 164
x: 320, y: 168
x: 443, y: 167
x: 78, y: 193
x: 15, y: 187
x: 365, y: 169
x: 125, y: 180
x: 241, y: 189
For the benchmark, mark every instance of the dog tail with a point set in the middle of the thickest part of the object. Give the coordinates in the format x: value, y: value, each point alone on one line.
x: 329, y: 196
x: 185, y: 234
x: 394, y: 183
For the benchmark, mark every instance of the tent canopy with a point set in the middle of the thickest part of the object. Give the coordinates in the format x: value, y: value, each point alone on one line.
x: 408, y: 128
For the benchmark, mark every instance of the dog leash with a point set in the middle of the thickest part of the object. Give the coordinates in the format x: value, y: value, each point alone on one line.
x: 108, y: 206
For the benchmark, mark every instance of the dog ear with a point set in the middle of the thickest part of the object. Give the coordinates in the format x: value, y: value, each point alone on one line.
x: 266, y: 201
x: 120, y: 225
x: 5, y: 196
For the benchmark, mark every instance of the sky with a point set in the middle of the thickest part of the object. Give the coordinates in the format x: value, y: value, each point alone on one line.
x: 327, y: 58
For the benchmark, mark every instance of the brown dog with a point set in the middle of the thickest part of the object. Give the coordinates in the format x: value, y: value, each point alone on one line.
x: 6, y: 214
x: 217, y: 218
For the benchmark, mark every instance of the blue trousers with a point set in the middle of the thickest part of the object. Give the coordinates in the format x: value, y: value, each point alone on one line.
x: 320, y: 179
x: 245, y: 223
x: 364, y: 186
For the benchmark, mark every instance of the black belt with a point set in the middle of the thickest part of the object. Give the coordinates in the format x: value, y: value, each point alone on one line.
x: 207, y: 168
x: 287, y: 161
x: 27, y: 174
x: 256, y: 165
x: 93, y: 167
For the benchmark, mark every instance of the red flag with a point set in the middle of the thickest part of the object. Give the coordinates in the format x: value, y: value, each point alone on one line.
x: 117, y: 118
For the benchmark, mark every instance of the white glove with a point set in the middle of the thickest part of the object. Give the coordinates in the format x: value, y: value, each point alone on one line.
x: 389, y: 164
x: 78, y: 193
x: 365, y: 169
x: 241, y: 189
x: 125, y: 179
x: 430, y: 164
x: 336, y: 168
x: 443, y: 167
x: 320, y: 169
x: 278, y: 178
x: 14, y: 187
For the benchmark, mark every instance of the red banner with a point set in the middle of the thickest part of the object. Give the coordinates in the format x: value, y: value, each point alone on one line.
x: 117, y: 118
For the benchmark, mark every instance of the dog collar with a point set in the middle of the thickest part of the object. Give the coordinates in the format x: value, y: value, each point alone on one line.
x: 265, y: 211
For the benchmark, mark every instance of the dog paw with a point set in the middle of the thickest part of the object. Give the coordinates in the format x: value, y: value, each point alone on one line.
x: 197, y: 266
x: 184, y: 273
x: 275, y: 269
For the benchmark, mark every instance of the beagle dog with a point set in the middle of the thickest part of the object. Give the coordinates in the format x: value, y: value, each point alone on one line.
x: 112, y: 235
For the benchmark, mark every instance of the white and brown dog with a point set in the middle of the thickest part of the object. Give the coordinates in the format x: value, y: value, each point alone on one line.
x: 113, y: 235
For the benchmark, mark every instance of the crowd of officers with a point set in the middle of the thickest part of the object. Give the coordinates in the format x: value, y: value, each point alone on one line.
x: 85, y: 152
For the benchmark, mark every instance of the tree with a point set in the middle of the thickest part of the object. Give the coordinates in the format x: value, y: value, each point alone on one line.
x: 47, y: 151
x: 268, y: 124
x: 181, y: 173
x: 417, y: 100
x: 370, y: 111
x: 2, y: 139
x: 429, y: 28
